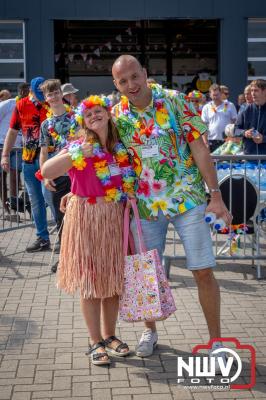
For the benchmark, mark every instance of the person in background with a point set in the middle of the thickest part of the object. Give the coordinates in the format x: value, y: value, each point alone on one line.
x: 70, y: 94
x: 252, y: 120
x: 240, y: 101
x: 6, y: 110
x: 5, y: 95
x: 217, y: 114
x: 225, y: 93
x: 248, y: 98
x: 198, y: 99
x: 55, y: 132
x: 27, y: 116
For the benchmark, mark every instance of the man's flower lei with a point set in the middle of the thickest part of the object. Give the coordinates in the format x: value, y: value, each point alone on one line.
x: 214, y: 108
x: 59, y: 138
x: 127, y: 117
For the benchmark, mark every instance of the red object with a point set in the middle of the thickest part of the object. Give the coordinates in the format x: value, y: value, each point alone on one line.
x: 190, y: 137
x: 91, y: 200
x: 144, y: 188
x: 38, y: 175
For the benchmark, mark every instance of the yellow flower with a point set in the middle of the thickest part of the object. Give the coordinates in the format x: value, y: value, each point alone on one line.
x: 111, y: 194
x: 189, y: 162
x: 162, y: 116
x: 195, y: 134
x: 162, y: 204
x: 182, y: 208
x: 101, y: 167
x: 80, y: 164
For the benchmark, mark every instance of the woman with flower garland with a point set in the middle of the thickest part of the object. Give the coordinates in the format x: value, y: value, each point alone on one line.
x: 91, y: 257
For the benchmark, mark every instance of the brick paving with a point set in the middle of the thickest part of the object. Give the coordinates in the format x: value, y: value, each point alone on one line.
x: 43, y: 336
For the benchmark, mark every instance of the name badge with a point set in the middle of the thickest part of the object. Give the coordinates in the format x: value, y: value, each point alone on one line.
x: 150, y: 151
x: 114, y: 170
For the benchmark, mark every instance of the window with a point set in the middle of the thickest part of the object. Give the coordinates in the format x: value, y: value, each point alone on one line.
x: 12, y: 54
x: 256, y: 49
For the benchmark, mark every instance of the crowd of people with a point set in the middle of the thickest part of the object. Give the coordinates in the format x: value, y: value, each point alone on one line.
x: 88, y: 159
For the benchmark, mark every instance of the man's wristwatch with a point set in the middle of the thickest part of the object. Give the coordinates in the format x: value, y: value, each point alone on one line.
x: 216, y: 190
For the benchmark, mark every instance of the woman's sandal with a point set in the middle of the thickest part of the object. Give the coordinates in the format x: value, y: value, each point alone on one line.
x: 117, y: 351
x: 96, y: 356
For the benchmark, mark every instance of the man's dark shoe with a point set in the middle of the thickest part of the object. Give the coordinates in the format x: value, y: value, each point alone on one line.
x: 54, y: 267
x: 39, y: 245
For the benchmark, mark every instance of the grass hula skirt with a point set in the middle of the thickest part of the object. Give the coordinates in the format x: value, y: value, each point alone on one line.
x: 91, y: 257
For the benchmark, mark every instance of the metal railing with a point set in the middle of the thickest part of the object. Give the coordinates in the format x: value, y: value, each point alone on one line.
x: 249, y: 246
x: 15, y: 210
x: 15, y: 207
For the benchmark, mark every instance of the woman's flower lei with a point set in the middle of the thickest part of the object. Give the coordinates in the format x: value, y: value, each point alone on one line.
x: 78, y: 159
x: 102, y: 171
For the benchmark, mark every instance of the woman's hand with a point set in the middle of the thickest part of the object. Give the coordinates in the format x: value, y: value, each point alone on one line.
x: 64, y: 201
x: 87, y: 149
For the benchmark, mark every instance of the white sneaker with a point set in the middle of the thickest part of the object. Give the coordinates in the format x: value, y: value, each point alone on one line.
x: 147, y: 343
x: 221, y: 355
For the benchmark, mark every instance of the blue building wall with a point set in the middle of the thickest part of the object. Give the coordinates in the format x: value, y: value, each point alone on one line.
x: 233, y: 15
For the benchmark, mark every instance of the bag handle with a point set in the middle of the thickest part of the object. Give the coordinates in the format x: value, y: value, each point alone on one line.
x: 142, y: 246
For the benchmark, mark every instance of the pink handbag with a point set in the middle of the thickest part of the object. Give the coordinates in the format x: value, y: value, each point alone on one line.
x: 147, y: 295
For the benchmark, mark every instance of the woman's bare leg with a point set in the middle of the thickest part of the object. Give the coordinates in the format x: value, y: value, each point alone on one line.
x: 91, y: 310
x: 109, y: 317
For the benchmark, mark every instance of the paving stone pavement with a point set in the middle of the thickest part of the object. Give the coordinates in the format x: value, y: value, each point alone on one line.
x: 43, y: 337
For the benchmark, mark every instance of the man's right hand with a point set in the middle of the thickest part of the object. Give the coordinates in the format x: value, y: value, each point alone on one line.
x: 5, y: 163
x: 248, y: 133
x: 64, y: 200
x: 49, y: 184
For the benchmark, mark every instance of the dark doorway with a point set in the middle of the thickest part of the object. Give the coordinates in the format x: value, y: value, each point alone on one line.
x: 177, y: 53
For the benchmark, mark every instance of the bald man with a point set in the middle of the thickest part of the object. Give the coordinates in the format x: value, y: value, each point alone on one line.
x: 163, y: 133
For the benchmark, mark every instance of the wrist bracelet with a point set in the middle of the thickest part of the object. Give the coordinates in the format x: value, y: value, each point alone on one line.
x: 38, y: 175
